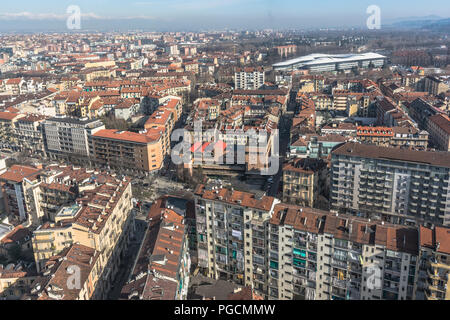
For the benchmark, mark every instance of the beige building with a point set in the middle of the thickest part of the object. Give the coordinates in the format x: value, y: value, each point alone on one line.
x: 434, y: 85
x: 303, y: 180
x: 434, y: 268
x: 439, y: 128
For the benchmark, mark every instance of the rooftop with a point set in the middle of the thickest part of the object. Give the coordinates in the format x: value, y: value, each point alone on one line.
x: 352, y: 149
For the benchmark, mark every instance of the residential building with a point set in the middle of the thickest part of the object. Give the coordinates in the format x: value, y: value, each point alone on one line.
x: 70, y: 138
x: 162, y: 267
x: 231, y: 227
x: 249, y: 78
x: 125, y: 150
x: 8, y: 140
x: 16, y: 280
x: 316, y: 255
x: 303, y: 180
x: 398, y: 186
x: 439, y: 128
x: 434, y: 85
x: 434, y: 264
x: 15, y: 186
x: 28, y: 131
x: 100, y: 219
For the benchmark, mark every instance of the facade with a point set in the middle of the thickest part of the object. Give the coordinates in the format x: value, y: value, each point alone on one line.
x: 15, y: 185
x: 434, y: 85
x: 128, y: 150
x: 16, y: 280
x: 396, y: 137
x: 231, y: 235
x: 70, y: 138
x: 315, y: 255
x: 28, y: 131
x: 398, y: 186
x: 8, y: 140
x: 439, y: 128
x: 434, y: 265
x: 291, y: 252
x: 303, y: 180
x: 101, y: 219
x: 249, y: 78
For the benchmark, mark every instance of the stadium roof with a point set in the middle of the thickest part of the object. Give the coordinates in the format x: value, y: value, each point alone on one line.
x: 319, y: 58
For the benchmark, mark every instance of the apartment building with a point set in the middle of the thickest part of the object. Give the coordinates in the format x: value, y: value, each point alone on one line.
x: 70, y: 138
x: 125, y: 150
x: 434, y: 85
x: 439, y: 128
x: 16, y: 280
x: 8, y: 139
x: 15, y: 185
x: 54, y: 282
x: 164, y: 120
x: 28, y: 131
x: 397, y: 186
x: 380, y: 136
x: 101, y: 219
x: 409, y: 137
x: 231, y: 235
x: 316, y: 255
x: 303, y: 180
x: 249, y: 78
x: 396, y: 137
x: 434, y: 264
x: 316, y: 146
x: 420, y: 111
x: 161, y: 270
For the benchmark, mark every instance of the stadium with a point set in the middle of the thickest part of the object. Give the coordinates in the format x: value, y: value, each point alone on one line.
x: 331, y: 62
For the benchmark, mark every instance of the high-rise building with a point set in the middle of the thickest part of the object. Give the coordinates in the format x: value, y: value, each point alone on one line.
x: 315, y: 255
x: 249, y: 78
x: 398, y: 186
x: 290, y: 252
x: 70, y: 138
x: 231, y: 227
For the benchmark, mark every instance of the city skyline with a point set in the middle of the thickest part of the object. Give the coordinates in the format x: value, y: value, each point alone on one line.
x: 193, y: 15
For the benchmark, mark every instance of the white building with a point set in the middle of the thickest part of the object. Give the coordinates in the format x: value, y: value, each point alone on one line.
x: 249, y: 78
x: 332, y: 62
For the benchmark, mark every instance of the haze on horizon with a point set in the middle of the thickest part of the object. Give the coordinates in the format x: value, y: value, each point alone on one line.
x: 195, y: 15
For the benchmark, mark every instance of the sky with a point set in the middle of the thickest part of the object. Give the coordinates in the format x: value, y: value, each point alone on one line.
x: 213, y: 14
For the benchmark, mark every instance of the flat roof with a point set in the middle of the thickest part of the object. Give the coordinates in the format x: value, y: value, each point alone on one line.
x: 319, y: 58
x: 434, y: 158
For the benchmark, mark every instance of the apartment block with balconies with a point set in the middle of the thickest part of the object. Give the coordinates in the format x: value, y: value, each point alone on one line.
x: 232, y: 235
x: 397, y: 186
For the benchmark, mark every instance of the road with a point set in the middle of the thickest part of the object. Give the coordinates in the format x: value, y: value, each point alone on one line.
x: 128, y: 262
x: 285, y: 129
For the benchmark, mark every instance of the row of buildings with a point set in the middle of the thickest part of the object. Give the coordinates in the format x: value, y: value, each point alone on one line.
x: 80, y: 227
x: 83, y: 140
x: 291, y: 252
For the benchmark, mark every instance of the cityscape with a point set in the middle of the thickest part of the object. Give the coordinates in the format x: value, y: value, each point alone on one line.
x: 260, y: 160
